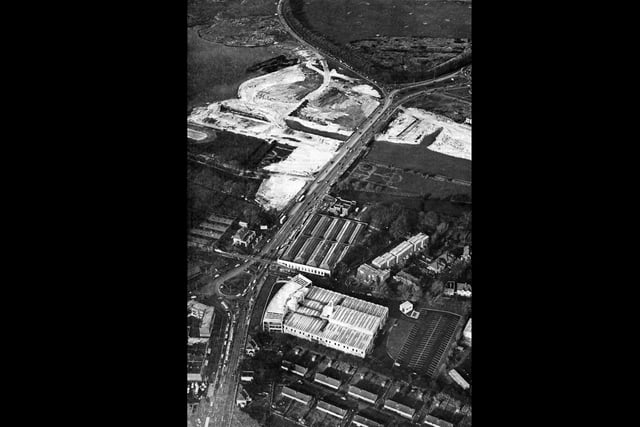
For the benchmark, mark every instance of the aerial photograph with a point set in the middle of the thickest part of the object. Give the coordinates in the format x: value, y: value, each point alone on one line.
x: 329, y: 211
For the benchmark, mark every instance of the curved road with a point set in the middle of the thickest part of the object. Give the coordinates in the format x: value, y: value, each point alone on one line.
x: 348, y: 152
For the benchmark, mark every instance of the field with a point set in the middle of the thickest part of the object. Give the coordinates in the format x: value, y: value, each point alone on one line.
x: 215, y: 71
x: 203, y: 12
x: 238, y: 150
x: 419, y: 158
x: 343, y: 22
x: 444, y: 105
x: 424, y: 348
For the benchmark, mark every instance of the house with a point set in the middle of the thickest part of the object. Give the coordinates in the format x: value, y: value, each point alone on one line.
x: 369, y: 275
x: 243, y: 237
x: 455, y: 376
x: 327, y: 381
x: 246, y: 376
x: 432, y: 421
x: 463, y: 289
x: 243, y: 397
x: 362, y: 421
x: 251, y: 348
x: 299, y: 370
x: 362, y: 394
x: 341, y: 207
x: 442, y: 262
x: 331, y: 409
x: 406, y: 278
x: 296, y: 395
x: 450, y: 289
x: 406, y: 307
x: 466, y: 253
x: 399, y: 408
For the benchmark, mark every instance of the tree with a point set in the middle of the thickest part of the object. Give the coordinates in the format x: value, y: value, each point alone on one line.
x: 427, y: 221
x: 399, y: 227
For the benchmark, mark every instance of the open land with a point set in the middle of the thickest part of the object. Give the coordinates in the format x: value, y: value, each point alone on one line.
x: 344, y: 21
x: 322, y: 105
x: 403, y: 42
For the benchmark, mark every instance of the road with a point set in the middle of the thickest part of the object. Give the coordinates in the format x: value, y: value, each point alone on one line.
x: 223, y: 402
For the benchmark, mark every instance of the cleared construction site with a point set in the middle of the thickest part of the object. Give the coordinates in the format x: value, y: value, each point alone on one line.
x: 322, y: 243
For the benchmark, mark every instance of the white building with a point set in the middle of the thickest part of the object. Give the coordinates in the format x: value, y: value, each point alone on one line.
x: 399, y: 254
x: 455, y: 376
x: 406, y: 307
x: 329, y: 318
x: 467, y: 332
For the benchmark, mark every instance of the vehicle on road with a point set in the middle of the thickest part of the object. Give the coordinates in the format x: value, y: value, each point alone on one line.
x: 216, y: 276
x: 237, y: 265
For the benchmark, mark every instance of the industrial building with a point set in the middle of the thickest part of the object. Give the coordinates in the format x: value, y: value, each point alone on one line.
x: 399, y: 254
x: 326, y: 317
x: 322, y: 243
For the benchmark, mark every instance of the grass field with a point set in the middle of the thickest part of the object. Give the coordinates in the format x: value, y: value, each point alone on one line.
x: 202, y: 12
x: 343, y: 22
x: 244, y: 150
x: 419, y: 158
x: 215, y: 71
x: 448, y: 106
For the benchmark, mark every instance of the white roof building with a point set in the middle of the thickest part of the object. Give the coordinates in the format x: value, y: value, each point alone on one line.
x: 406, y: 307
x: 324, y: 316
x: 467, y: 332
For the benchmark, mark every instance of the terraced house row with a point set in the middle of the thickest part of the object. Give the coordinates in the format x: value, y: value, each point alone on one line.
x: 322, y: 243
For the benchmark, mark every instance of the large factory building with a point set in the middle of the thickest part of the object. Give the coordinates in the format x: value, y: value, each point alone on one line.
x: 329, y: 318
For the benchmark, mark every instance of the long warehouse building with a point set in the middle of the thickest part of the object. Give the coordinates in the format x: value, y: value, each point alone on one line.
x: 326, y: 317
x: 322, y: 243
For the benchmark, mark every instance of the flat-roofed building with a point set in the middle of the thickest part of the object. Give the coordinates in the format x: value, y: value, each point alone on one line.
x: 399, y: 408
x: 296, y: 395
x: 299, y: 370
x: 399, y: 254
x: 329, y: 318
x: 327, y: 381
x: 385, y: 260
x: 406, y: 307
x: 361, y: 394
x: 197, y: 309
x: 331, y: 409
x: 207, y: 324
x: 432, y: 421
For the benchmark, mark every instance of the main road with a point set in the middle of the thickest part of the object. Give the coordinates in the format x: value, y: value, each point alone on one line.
x: 223, y: 402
